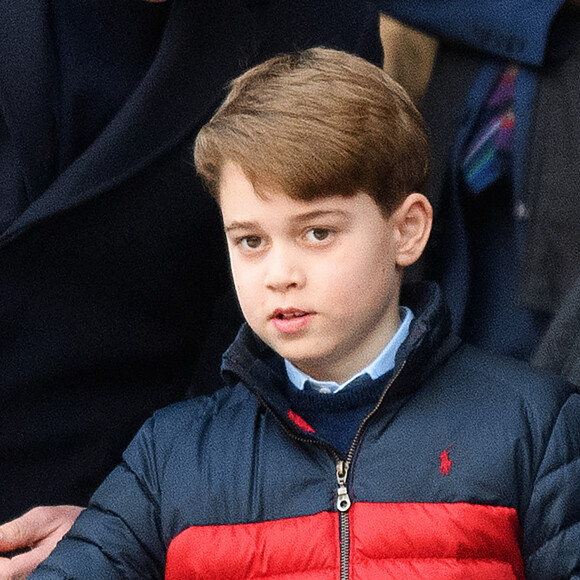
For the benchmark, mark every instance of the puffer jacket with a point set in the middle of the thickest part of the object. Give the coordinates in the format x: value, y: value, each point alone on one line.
x: 467, y: 467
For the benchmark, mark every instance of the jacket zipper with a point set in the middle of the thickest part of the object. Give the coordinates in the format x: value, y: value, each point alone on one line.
x: 343, y: 504
x: 343, y: 501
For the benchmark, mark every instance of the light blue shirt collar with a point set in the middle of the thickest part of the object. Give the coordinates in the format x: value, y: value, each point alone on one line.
x: 378, y: 367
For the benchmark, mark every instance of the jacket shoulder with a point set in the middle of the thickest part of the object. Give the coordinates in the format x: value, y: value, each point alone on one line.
x: 189, y: 416
x: 518, y: 380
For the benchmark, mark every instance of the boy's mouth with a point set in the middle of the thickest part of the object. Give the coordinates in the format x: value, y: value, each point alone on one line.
x: 291, y: 320
x: 288, y: 314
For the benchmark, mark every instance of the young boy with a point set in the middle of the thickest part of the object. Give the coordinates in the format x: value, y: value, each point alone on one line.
x: 358, y: 437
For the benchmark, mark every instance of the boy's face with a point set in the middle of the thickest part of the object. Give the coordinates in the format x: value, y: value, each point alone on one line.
x: 316, y: 280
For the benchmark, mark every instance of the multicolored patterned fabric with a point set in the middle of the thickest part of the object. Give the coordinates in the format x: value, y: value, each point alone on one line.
x: 488, y: 153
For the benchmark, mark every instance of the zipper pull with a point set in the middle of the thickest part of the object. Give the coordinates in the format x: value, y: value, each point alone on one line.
x: 342, y: 500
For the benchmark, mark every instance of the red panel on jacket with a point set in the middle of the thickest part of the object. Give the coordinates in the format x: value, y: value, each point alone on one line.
x: 435, y: 541
x: 298, y: 548
x: 397, y: 540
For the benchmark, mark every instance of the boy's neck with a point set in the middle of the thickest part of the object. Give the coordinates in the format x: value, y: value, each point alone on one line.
x: 383, y: 363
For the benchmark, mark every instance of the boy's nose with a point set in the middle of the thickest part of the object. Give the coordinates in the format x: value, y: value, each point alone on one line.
x: 283, y: 272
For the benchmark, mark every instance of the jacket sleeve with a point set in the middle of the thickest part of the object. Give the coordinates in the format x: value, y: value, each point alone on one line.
x: 551, y: 526
x: 513, y: 29
x: 118, y: 535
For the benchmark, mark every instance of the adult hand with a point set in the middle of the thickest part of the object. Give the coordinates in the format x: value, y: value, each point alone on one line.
x: 34, y: 535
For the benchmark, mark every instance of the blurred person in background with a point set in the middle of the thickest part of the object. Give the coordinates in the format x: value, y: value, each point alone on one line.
x: 111, y: 254
x: 505, y: 134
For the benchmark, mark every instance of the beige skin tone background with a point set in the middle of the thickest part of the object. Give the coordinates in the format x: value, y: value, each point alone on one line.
x: 409, y: 57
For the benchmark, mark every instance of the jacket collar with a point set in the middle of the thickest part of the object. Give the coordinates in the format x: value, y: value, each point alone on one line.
x: 178, y: 93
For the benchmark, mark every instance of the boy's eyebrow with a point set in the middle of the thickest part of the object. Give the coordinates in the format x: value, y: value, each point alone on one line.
x: 240, y: 226
x: 319, y: 213
x: 298, y: 218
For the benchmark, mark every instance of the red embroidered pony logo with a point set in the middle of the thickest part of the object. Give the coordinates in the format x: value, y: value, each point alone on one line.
x: 445, y: 463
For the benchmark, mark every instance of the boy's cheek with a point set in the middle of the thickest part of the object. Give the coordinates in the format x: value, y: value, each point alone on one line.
x: 235, y: 266
x: 246, y: 294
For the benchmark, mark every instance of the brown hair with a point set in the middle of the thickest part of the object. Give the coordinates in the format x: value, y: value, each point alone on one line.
x: 317, y: 123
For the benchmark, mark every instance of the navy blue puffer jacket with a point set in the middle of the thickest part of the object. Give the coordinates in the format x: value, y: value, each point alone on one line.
x: 468, y: 467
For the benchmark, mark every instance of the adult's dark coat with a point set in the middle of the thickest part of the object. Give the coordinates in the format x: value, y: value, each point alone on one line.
x: 109, y: 268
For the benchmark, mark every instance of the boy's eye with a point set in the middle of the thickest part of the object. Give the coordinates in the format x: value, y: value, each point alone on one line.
x: 251, y: 242
x: 318, y: 234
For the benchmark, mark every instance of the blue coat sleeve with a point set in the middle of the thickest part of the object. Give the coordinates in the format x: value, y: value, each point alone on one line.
x: 551, y: 526
x: 118, y: 535
x: 513, y: 29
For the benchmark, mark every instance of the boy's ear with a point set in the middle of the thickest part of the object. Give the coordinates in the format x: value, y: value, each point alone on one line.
x: 412, y: 222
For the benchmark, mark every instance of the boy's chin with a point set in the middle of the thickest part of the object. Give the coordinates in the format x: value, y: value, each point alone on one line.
x: 316, y: 367
x: 301, y: 359
x: 309, y: 354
